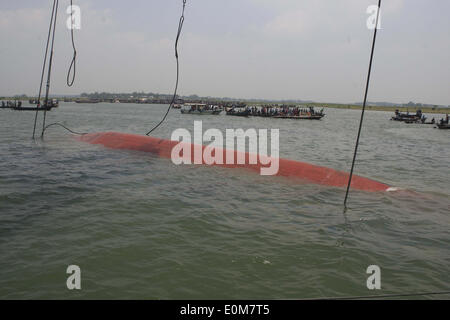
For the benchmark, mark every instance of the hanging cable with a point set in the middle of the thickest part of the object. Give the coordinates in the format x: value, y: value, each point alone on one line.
x: 180, y: 27
x: 384, y: 296
x: 43, y: 67
x: 364, y: 105
x: 63, y: 126
x: 73, y: 63
x: 49, y: 72
x: 69, y: 81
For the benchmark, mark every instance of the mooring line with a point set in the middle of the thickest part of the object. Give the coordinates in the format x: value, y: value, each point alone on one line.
x: 43, y: 67
x: 74, y: 58
x: 69, y: 80
x: 49, y: 72
x: 380, y: 296
x: 364, y: 105
x: 180, y: 27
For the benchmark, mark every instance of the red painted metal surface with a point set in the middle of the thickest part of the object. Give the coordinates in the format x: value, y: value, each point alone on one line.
x: 287, y: 168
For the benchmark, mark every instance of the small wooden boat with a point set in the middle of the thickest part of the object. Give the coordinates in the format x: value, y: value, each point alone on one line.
x: 5, y: 105
x: 417, y: 122
x: 442, y: 125
x: 41, y: 108
x: 406, y: 117
x: 301, y: 117
x: 87, y: 101
x: 54, y: 103
x: 288, y: 112
x: 300, y: 114
x: 11, y: 104
x: 238, y: 112
x: 201, y: 109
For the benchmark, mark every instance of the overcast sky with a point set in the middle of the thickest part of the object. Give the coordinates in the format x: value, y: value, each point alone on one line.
x: 272, y: 49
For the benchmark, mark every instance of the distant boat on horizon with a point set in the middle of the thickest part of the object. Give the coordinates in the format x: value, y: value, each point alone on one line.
x: 201, y: 109
x: 87, y: 101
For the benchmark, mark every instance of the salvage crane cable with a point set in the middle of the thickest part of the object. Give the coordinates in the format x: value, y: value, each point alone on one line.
x: 70, y: 81
x: 73, y: 66
x: 399, y: 295
x: 49, y: 72
x: 43, y: 67
x: 52, y: 28
x: 180, y: 27
x: 364, y: 105
x: 389, y: 295
x: 73, y: 63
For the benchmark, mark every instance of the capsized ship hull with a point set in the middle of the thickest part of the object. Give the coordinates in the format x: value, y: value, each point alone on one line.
x: 287, y: 168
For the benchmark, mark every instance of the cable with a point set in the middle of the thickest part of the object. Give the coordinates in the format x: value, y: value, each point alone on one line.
x: 180, y: 27
x: 394, y: 295
x: 50, y: 67
x: 73, y: 62
x: 43, y: 67
x: 364, y: 105
x: 69, y: 81
x: 59, y: 124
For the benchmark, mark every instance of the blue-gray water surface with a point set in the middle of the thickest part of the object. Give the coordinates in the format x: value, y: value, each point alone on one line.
x: 140, y: 227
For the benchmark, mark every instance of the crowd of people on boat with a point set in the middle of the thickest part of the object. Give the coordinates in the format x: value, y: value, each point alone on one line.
x: 444, y: 121
x: 17, y: 105
x: 399, y: 116
x: 273, y: 111
x: 206, y: 107
x: 11, y: 104
x: 419, y: 117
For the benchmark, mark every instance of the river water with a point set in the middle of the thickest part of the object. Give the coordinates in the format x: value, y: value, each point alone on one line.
x: 140, y: 227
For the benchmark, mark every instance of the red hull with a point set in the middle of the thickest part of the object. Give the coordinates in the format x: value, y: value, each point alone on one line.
x: 287, y: 168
